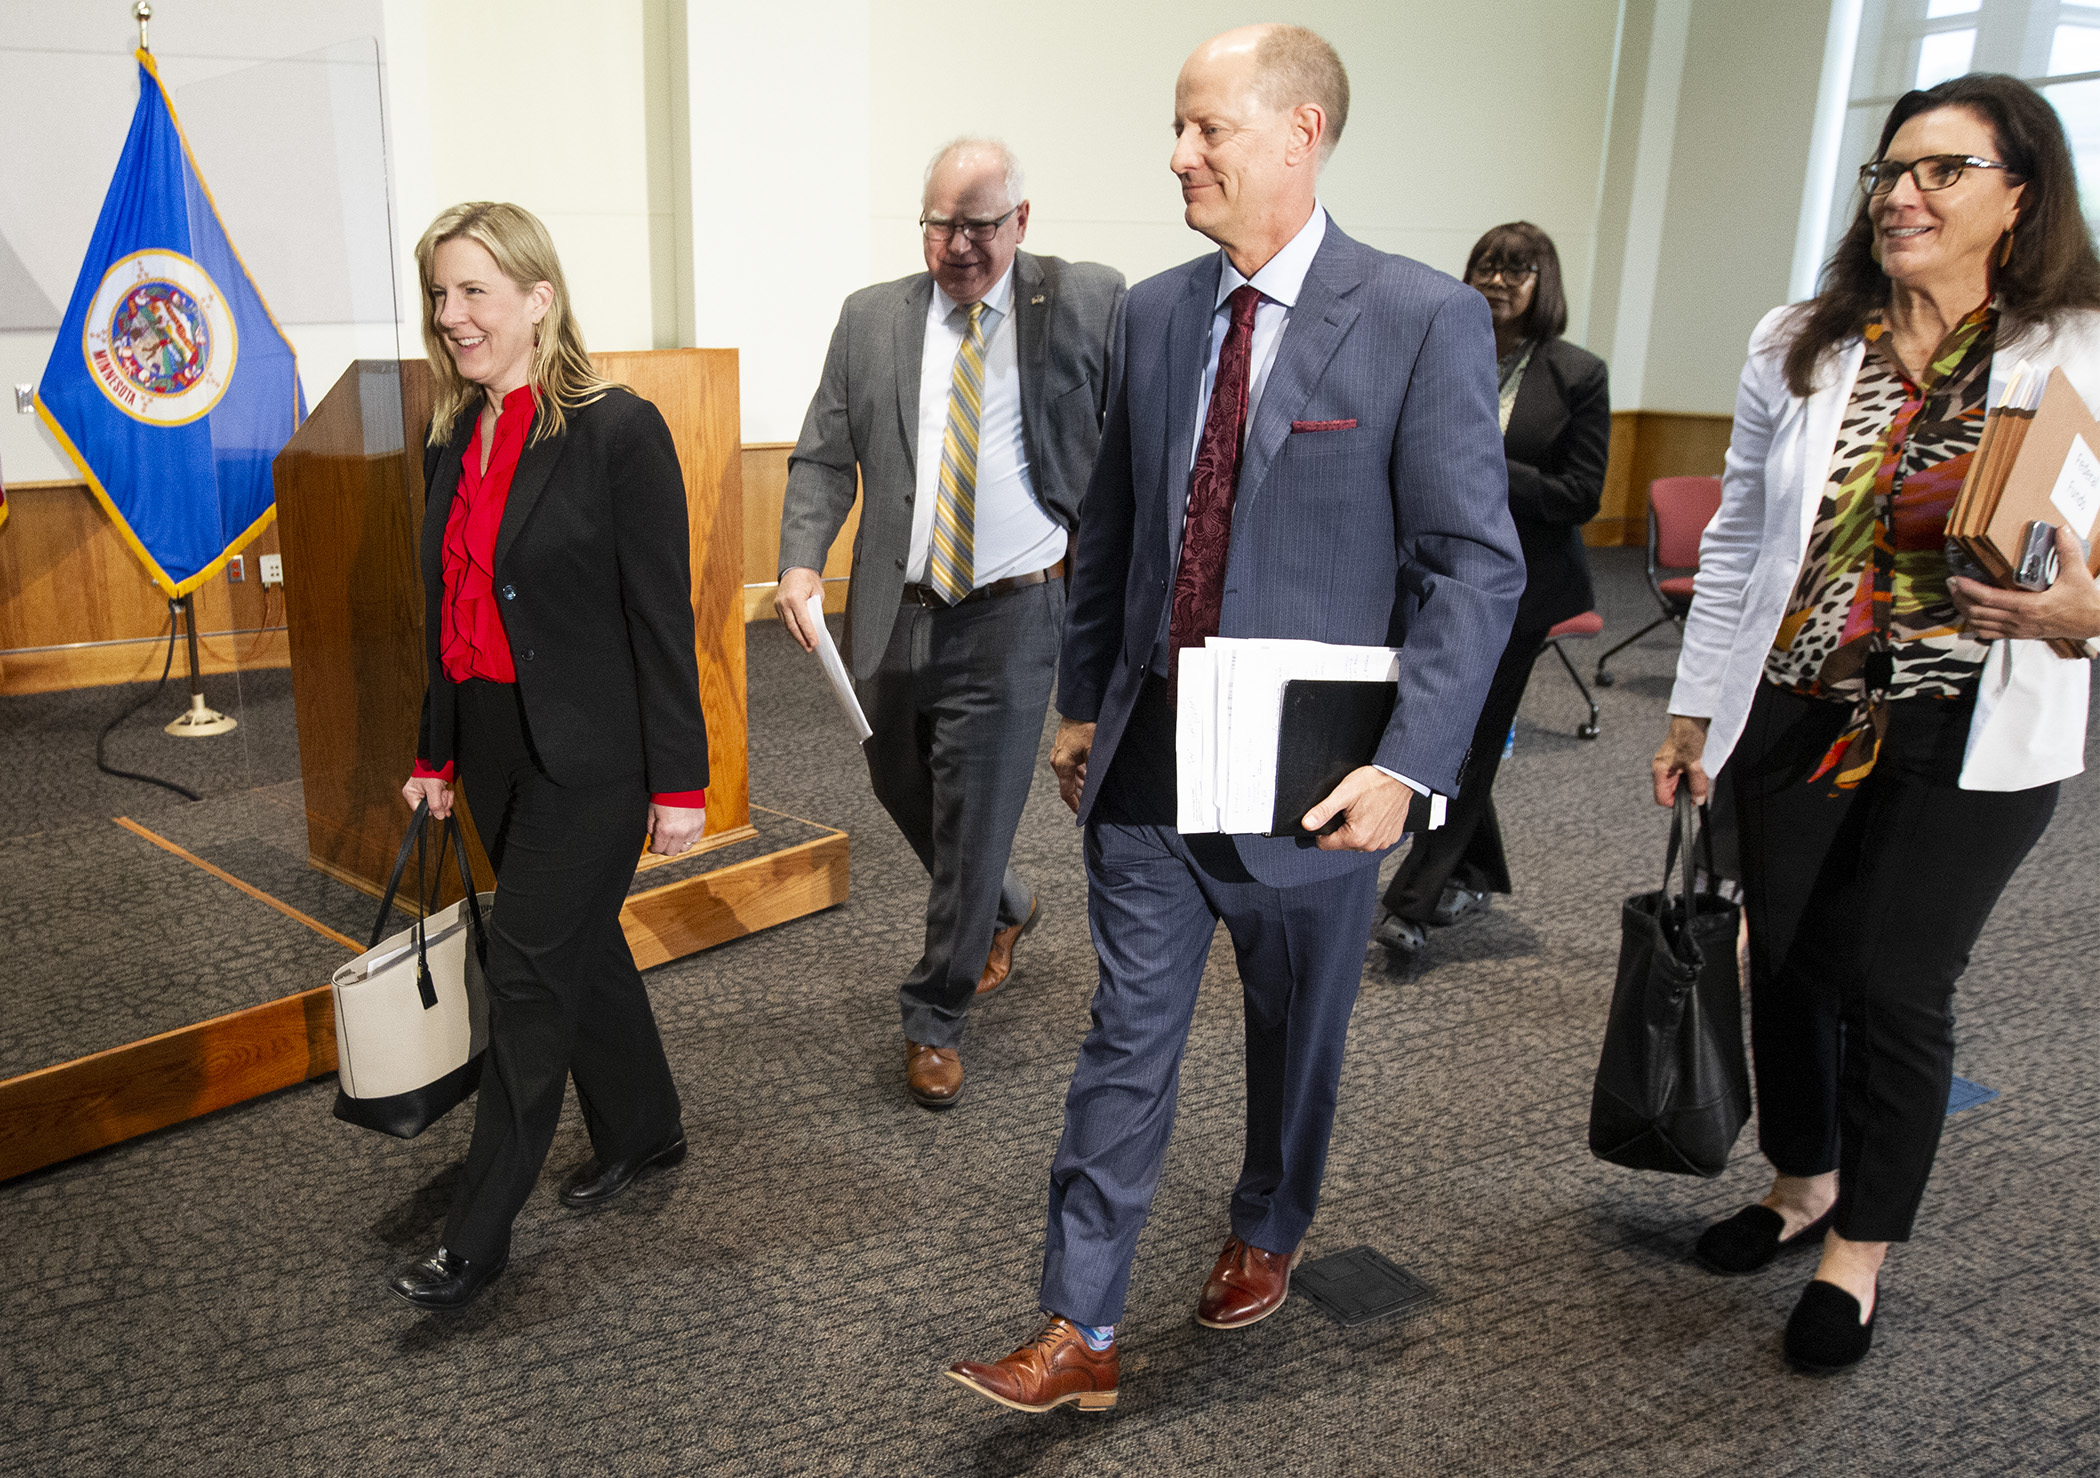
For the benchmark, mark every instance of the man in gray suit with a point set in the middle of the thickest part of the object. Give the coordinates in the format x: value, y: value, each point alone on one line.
x: 969, y: 397
x: 1302, y: 441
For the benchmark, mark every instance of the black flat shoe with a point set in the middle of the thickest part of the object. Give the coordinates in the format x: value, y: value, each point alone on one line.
x: 596, y: 1184
x: 1750, y: 1240
x: 445, y: 1281
x: 1824, y: 1335
x: 1403, y: 938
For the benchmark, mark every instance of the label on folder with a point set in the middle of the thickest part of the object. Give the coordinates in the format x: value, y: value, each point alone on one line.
x: 2077, y: 491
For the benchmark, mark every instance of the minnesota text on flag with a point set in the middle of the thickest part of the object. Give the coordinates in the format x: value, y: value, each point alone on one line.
x: 171, y: 386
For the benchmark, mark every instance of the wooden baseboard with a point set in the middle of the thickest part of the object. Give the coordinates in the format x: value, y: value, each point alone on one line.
x: 1646, y: 445
x: 58, y: 1112
x: 139, y: 661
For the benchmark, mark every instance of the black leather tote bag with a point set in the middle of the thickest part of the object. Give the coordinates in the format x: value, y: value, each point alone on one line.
x: 1673, y: 1088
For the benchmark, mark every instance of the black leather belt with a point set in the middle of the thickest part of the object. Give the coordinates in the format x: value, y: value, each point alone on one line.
x: 933, y: 600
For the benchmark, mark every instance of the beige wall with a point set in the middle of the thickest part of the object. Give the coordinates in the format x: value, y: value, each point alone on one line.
x: 1702, y: 192
x: 1453, y: 129
x: 725, y: 174
x: 563, y: 133
x: 1735, y: 193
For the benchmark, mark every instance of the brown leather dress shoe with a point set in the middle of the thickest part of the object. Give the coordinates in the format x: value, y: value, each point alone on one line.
x: 1055, y: 1366
x: 1247, y: 1284
x: 1001, y: 963
x: 933, y: 1074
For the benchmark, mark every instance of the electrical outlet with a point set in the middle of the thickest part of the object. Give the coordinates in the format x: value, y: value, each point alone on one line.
x: 25, y: 400
x: 236, y: 570
x: 272, y: 568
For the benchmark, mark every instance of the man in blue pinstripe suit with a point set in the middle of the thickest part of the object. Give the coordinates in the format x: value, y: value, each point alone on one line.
x: 1301, y: 442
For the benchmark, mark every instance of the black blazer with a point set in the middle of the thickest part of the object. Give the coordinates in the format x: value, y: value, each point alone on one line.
x: 1558, y: 438
x: 593, y: 570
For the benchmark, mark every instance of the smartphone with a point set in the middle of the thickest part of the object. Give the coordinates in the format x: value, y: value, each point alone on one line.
x: 2036, y: 569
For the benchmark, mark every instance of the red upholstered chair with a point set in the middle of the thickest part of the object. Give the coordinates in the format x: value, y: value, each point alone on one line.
x: 1679, y: 509
x: 1578, y: 628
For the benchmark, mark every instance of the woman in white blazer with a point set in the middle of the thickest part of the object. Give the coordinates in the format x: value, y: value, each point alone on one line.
x: 1892, y: 733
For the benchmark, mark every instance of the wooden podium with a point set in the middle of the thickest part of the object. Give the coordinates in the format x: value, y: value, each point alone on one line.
x: 350, y: 514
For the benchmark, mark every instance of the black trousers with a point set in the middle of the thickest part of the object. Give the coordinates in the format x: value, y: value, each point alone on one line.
x: 1863, y: 907
x: 957, y: 708
x: 565, y: 998
x: 1468, y: 846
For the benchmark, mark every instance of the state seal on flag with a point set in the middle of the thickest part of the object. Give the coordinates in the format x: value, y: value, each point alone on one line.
x: 160, y: 339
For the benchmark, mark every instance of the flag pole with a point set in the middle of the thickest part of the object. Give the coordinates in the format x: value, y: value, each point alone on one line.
x: 201, y: 721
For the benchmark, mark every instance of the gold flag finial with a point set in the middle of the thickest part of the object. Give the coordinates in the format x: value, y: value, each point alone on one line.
x: 144, y: 13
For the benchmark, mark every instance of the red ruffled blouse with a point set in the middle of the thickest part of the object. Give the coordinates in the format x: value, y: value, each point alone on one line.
x: 472, y: 641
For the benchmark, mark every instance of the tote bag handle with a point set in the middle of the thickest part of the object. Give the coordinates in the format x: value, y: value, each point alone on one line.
x: 1689, y: 821
x: 418, y: 827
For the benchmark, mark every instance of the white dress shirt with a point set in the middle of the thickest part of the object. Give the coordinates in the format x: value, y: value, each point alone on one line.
x: 1279, y: 281
x: 1012, y: 535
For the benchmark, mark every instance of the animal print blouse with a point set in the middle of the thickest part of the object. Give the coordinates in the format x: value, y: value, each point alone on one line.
x: 1908, y: 445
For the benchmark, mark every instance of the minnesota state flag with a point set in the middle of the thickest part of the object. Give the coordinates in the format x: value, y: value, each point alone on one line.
x: 171, y: 386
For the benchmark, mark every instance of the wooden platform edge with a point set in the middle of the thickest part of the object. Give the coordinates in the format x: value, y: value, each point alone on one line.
x: 712, y: 908
x: 58, y: 1112
x: 70, y: 1109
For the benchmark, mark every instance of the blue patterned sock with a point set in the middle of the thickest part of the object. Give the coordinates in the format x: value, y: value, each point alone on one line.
x: 1098, y: 1337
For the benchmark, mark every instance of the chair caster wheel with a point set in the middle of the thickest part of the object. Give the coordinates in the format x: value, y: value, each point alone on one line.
x: 1604, y: 679
x: 1587, y: 731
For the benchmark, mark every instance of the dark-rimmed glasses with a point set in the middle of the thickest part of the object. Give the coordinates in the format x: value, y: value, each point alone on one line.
x: 1933, y: 172
x: 1512, y: 273
x: 980, y: 232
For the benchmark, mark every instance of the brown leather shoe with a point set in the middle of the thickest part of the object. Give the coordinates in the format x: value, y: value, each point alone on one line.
x: 1054, y: 1367
x: 1247, y: 1284
x: 933, y: 1074
x: 1001, y: 963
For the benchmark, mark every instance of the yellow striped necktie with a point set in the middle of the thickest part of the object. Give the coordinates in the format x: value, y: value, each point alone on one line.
x: 952, y: 561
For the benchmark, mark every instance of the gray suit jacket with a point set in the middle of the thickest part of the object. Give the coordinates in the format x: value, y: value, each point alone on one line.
x: 866, y: 414
x: 1372, y: 508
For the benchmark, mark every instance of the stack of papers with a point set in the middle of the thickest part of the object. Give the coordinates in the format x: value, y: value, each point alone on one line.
x: 1228, y: 707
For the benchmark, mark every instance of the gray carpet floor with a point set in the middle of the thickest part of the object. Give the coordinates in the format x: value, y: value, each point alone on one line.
x: 208, y: 1300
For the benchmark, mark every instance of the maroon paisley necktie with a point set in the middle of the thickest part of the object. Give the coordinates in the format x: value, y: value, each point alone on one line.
x: 1199, y: 587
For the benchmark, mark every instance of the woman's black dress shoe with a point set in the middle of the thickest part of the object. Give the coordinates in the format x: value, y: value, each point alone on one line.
x: 1824, y: 1335
x: 596, y: 1184
x: 1750, y: 1239
x: 445, y: 1280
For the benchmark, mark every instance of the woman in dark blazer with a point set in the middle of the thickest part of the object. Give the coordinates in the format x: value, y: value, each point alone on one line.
x: 1556, y: 429
x: 564, y: 695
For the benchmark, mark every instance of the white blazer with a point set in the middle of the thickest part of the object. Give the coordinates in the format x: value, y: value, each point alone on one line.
x: 2029, y: 727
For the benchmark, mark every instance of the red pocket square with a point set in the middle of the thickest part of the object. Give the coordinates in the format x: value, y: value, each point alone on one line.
x: 1348, y: 425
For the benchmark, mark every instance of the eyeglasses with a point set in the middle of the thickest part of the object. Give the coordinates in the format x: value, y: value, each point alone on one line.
x: 980, y: 232
x: 1509, y: 272
x: 1933, y: 172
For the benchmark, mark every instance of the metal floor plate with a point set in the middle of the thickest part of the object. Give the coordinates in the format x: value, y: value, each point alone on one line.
x: 1360, y: 1286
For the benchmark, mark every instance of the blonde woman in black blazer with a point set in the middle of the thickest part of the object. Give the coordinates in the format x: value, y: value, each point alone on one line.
x: 564, y: 695
x: 1556, y: 430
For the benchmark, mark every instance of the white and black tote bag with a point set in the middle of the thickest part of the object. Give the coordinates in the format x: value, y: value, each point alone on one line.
x: 411, y: 1012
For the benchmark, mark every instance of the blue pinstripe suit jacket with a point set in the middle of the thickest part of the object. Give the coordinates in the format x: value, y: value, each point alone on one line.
x: 1395, y: 531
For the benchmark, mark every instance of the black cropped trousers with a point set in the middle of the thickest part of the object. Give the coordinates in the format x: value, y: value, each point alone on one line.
x: 1863, y: 907
x: 565, y: 998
